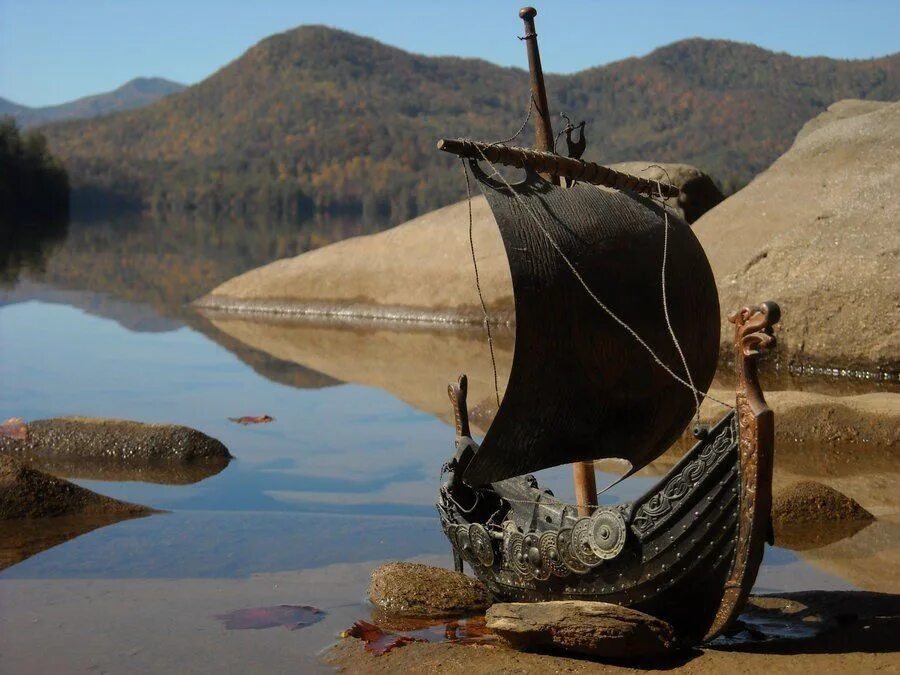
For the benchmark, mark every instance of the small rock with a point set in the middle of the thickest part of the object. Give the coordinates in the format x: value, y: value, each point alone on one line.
x: 592, y: 628
x: 699, y: 193
x: 27, y: 493
x: 413, y: 589
x: 809, y: 502
x: 809, y: 515
x: 111, y: 439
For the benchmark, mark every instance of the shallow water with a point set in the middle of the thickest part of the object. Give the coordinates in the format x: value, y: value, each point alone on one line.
x: 344, y: 478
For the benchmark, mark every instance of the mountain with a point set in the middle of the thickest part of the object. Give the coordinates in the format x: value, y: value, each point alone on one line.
x: 136, y: 93
x: 317, y: 119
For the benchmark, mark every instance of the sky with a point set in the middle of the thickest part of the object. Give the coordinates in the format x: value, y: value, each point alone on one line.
x: 52, y: 51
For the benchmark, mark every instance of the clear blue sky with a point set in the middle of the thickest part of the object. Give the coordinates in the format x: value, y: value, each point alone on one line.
x: 53, y: 51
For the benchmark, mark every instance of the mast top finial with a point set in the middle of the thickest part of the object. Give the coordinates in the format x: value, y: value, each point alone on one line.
x: 528, y: 13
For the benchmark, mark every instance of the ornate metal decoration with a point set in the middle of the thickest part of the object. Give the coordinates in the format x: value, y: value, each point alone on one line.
x: 654, y: 512
x: 550, y: 554
x: 463, y: 545
x: 581, y: 543
x: 564, y: 546
x: 531, y: 548
x: 607, y: 533
x: 482, y: 547
x: 515, y: 554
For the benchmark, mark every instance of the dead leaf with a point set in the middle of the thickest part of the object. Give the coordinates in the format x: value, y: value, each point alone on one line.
x: 253, y: 419
x: 378, y: 642
x: 289, y: 616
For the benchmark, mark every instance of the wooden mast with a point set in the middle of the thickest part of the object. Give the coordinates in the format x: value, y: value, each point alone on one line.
x: 582, y: 472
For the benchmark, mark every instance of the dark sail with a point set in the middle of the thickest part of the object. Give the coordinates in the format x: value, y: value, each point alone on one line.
x: 581, y: 387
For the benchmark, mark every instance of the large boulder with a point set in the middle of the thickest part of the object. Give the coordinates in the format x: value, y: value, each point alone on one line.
x: 419, y: 270
x: 699, y: 193
x: 596, y: 629
x: 818, y: 233
x: 412, y: 589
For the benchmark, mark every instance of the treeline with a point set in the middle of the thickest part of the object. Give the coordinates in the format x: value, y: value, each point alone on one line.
x: 34, y: 201
x: 33, y: 183
x: 316, y: 120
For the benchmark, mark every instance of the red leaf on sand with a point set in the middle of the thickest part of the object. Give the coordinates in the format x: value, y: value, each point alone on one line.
x: 253, y: 419
x: 378, y: 642
x: 289, y: 616
x: 16, y: 428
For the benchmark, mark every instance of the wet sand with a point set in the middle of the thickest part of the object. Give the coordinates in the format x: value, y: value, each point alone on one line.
x: 170, y: 625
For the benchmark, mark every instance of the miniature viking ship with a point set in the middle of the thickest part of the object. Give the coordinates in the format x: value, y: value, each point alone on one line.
x: 611, y: 360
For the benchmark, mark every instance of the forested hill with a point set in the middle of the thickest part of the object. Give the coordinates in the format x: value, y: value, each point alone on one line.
x: 320, y: 119
x: 135, y: 93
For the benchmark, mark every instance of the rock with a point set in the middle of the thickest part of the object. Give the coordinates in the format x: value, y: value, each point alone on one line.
x: 413, y: 589
x: 70, y: 439
x: 817, y: 232
x: 840, y: 110
x: 809, y: 503
x: 421, y: 270
x: 699, y: 193
x: 28, y: 493
x: 593, y: 628
x: 808, y: 515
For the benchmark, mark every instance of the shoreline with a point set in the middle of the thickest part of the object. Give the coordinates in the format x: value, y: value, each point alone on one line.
x: 404, y: 318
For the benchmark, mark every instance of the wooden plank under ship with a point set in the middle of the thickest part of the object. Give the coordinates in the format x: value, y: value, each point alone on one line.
x: 617, y: 334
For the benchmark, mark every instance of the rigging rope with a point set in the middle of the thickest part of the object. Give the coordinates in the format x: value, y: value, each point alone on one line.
x: 665, y: 302
x: 484, y: 312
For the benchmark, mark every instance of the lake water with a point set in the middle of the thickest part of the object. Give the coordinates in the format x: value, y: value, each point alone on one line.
x: 343, y: 479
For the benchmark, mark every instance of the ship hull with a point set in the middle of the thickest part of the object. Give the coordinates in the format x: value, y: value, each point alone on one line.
x: 678, y: 547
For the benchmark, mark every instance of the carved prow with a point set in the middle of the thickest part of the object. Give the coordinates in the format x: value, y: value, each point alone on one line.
x: 756, y: 424
x: 458, y: 393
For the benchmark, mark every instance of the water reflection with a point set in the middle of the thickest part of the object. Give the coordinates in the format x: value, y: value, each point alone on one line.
x: 414, y: 364
x: 103, y: 469
x: 22, y: 538
x: 26, y: 246
x: 158, y: 264
x: 222, y: 544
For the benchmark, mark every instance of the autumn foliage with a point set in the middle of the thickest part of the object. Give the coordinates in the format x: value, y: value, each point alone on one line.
x: 319, y: 120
